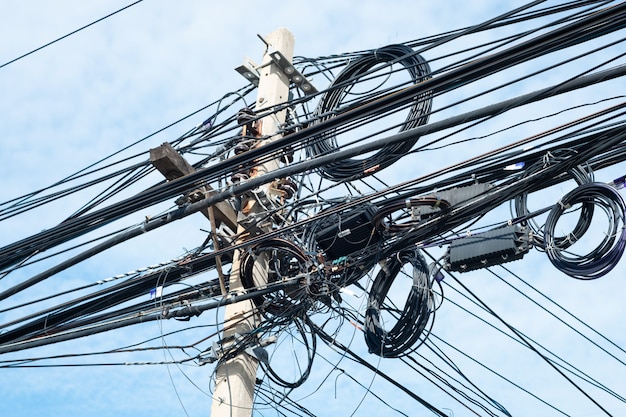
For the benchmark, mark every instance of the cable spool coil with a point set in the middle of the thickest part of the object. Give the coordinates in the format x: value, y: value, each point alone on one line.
x: 285, y: 260
x: 604, y: 257
x: 330, y: 102
x: 410, y: 325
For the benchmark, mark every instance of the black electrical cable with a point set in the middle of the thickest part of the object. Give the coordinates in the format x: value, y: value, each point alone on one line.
x: 556, y: 317
x: 122, y: 183
x: 331, y: 101
x: 438, y: 379
x: 328, y: 339
x: 578, y: 174
x: 500, y: 375
x: 17, y: 251
x: 69, y: 34
x: 461, y: 213
x: 604, y: 257
x: 103, y: 299
x: 310, y: 347
x: 448, y: 384
x: 26, y: 202
x: 557, y: 361
x: 569, y: 313
x: 413, y: 319
x: 527, y: 343
x: 285, y: 260
x: 614, y: 134
x: 136, y: 318
x: 290, y: 311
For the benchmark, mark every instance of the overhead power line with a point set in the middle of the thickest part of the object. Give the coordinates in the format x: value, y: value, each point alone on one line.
x: 69, y: 34
x: 317, y: 235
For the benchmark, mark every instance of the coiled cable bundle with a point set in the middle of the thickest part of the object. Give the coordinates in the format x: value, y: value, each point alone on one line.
x: 284, y: 260
x: 578, y: 174
x: 412, y: 321
x: 330, y: 102
x: 604, y: 256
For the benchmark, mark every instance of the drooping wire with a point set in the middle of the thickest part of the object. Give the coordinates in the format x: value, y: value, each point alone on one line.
x: 69, y: 34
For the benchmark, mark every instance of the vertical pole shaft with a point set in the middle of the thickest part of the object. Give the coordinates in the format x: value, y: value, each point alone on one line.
x: 236, y: 378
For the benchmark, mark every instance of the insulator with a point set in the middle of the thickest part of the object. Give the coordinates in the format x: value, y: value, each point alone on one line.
x: 245, y: 116
x: 239, y: 176
x: 243, y: 146
x: 288, y: 186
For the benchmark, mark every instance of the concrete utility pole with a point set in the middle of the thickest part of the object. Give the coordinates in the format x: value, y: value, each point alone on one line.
x: 235, y: 378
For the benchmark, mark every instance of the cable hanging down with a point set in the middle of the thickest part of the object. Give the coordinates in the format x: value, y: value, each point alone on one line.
x: 414, y: 318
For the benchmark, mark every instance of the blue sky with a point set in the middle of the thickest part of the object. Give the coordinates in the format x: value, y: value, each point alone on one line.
x: 112, y: 84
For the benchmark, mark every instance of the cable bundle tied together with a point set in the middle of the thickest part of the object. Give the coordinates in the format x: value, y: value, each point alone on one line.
x: 607, y: 254
x: 331, y: 101
x: 402, y: 338
x: 347, y: 243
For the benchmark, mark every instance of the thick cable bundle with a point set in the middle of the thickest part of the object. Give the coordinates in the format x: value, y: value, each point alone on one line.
x: 330, y: 102
x: 578, y: 174
x: 285, y: 260
x: 413, y: 319
x: 605, y: 256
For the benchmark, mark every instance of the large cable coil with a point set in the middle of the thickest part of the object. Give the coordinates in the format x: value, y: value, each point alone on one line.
x: 284, y: 259
x: 330, y: 102
x: 604, y: 256
x: 414, y: 318
x: 579, y: 174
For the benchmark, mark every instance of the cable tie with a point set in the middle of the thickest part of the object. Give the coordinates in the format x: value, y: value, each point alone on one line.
x: 563, y: 206
x: 569, y: 238
x: 372, y: 169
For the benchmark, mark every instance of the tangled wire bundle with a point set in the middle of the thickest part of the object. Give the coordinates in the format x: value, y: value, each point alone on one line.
x: 284, y: 260
x: 578, y: 174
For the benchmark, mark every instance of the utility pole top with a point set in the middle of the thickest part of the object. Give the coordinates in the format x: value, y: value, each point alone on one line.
x: 273, y: 83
